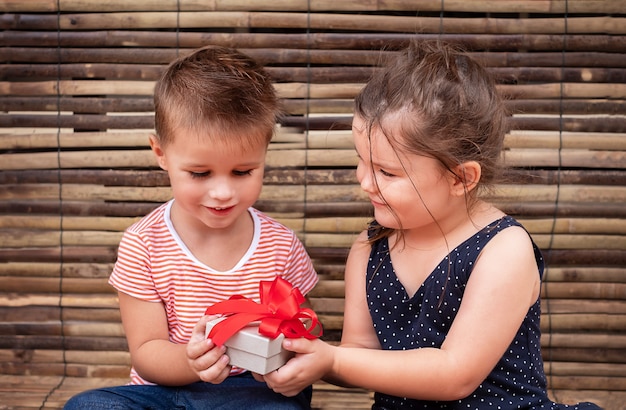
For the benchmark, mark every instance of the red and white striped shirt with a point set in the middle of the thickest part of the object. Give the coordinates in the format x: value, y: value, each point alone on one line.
x: 154, y: 265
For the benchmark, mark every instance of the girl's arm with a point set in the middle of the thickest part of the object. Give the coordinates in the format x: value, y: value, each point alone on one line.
x: 315, y: 357
x: 503, y: 285
x: 160, y: 361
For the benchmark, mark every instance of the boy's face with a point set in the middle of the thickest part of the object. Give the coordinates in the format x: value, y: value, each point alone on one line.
x: 213, y: 183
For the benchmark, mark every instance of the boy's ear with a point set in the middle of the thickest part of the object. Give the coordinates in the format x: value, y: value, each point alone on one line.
x: 467, y: 175
x: 158, y: 151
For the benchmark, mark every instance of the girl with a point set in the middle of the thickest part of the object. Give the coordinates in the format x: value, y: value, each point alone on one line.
x: 442, y: 289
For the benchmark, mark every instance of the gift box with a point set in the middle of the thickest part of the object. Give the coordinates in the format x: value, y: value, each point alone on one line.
x: 253, y: 332
x: 250, y: 350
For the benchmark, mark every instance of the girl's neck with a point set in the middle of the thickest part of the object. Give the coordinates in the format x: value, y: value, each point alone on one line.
x: 450, y: 231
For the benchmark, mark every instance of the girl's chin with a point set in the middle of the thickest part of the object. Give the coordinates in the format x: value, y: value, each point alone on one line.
x: 386, y: 219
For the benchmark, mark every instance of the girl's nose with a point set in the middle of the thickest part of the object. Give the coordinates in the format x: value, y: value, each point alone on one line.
x: 365, y: 178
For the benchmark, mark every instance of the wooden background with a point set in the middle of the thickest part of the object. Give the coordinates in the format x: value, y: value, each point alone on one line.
x: 76, y: 81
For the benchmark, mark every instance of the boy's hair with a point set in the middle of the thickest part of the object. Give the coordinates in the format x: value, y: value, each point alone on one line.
x: 450, y: 108
x: 216, y: 92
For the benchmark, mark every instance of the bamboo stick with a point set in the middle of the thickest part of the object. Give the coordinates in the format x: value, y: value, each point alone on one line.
x: 70, y: 343
x: 142, y: 105
x: 566, y: 140
x: 317, y: 21
x: 111, y: 177
x: 612, y: 400
x: 327, y: 122
x: 147, y: 72
x: 566, y: 354
x: 73, y: 356
x: 574, y: 290
x: 562, y: 208
x: 589, y: 59
x: 587, y: 257
x: 93, y: 300
x: 552, y: 257
x: 566, y: 158
x: 75, y: 140
x: 562, y: 306
x: 309, y: 209
x: 554, y: 242
x: 315, y: 193
x: 83, y: 104
x: 517, y: 157
x: 280, y: 176
x: 329, y: 139
x: 37, y: 238
x: 301, y: 90
x: 548, y: 123
x: 583, y: 274
x: 68, y: 223
x: 590, y: 341
x: 584, y: 382
x: 584, y: 322
x: 122, y: 209
x: 51, y: 285
x: 318, y: 40
x: 51, y: 313
x: 564, y: 90
x: 565, y: 107
x: 489, y: 6
x: 71, y: 254
x: 79, y: 121
x: 140, y: 139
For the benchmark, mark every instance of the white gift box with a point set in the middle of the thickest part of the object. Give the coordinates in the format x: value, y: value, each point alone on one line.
x: 250, y: 350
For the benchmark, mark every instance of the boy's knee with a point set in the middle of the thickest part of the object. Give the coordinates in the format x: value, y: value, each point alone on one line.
x: 91, y: 399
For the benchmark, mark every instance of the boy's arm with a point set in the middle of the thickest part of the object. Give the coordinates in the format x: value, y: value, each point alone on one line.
x: 160, y: 361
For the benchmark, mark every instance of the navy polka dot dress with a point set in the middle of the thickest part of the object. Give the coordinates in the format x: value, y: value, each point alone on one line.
x: 405, y: 322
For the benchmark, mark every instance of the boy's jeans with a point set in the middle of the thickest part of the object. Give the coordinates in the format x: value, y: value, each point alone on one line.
x: 236, y: 392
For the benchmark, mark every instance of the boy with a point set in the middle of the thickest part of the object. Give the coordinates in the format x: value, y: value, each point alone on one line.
x: 215, y: 113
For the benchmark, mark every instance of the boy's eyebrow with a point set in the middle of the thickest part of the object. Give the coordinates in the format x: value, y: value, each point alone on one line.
x: 251, y: 164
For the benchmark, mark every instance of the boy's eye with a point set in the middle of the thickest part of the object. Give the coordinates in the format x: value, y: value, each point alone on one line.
x: 242, y: 173
x: 199, y: 174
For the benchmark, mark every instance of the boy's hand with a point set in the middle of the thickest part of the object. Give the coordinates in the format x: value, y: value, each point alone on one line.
x: 206, y: 359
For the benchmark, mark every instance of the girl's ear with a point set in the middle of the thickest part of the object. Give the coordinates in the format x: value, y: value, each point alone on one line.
x: 467, y: 175
x: 158, y: 151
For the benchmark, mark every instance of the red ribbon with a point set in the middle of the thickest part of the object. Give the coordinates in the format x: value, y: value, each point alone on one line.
x: 279, y: 312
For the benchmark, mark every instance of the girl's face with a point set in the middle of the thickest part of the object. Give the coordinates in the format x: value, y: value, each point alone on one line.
x: 213, y: 183
x: 415, y: 187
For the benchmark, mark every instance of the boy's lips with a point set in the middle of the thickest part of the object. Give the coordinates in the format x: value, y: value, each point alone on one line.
x: 220, y: 210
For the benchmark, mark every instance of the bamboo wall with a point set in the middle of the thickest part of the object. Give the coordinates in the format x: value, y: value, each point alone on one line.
x: 76, y: 79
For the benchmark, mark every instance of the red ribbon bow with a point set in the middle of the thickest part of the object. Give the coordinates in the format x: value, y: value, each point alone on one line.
x: 279, y: 312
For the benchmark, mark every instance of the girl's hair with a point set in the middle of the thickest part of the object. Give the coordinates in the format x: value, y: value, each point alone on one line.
x: 216, y: 91
x: 449, y: 110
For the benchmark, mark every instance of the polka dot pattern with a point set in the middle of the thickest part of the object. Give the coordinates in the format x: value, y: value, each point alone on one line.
x: 405, y: 322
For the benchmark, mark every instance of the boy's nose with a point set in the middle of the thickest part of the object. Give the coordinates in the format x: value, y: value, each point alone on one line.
x: 221, y: 189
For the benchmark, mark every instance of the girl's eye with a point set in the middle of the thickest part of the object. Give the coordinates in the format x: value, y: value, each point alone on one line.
x: 242, y: 173
x: 385, y: 173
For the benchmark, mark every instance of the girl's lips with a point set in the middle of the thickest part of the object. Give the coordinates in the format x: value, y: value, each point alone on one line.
x: 376, y: 204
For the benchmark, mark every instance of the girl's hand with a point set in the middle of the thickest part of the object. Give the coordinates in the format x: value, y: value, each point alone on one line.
x: 206, y: 359
x: 314, y: 358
